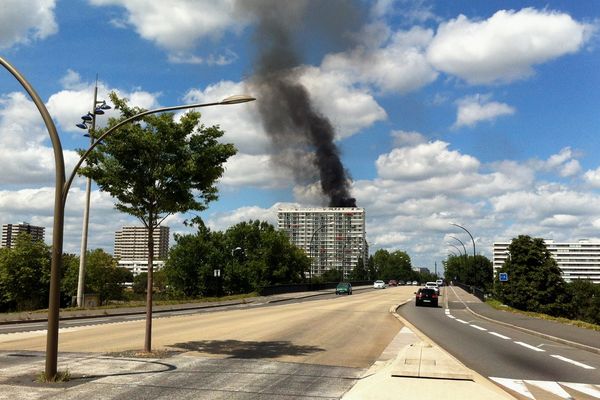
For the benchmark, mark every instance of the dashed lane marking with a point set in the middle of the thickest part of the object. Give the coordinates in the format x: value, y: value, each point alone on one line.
x: 577, y: 363
x: 499, y: 335
x: 529, y: 346
x: 461, y: 321
x: 478, y: 327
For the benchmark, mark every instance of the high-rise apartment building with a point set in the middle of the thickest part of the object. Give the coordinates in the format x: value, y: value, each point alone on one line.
x: 580, y: 260
x: 334, y: 238
x: 131, y: 247
x: 11, y: 231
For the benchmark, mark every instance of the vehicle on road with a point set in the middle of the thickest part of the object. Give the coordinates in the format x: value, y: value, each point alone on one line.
x: 415, y: 283
x: 379, y: 284
x: 440, y: 282
x: 434, y: 286
x: 401, y: 283
x: 426, y: 296
x: 392, y: 282
x: 343, y: 288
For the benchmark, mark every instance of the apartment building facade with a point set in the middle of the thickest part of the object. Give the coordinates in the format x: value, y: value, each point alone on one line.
x: 577, y: 260
x: 333, y: 237
x: 11, y: 231
x: 131, y: 248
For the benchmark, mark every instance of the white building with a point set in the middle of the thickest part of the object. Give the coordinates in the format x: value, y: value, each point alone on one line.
x: 579, y: 260
x: 11, y: 231
x: 333, y: 237
x: 131, y: 248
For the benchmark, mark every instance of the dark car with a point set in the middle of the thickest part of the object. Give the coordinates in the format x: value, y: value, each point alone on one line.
x: 392, y: 282
x: 343, y: 288
x: 426, y: 296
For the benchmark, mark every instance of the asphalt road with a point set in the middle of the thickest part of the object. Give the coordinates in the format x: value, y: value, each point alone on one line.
x: 348, y: 331
x: 500, y: 352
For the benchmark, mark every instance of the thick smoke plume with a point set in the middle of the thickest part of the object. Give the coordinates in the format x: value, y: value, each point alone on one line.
x: 302, y: 137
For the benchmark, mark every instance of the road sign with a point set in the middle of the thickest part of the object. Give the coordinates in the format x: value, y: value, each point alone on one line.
x: 503, y: 276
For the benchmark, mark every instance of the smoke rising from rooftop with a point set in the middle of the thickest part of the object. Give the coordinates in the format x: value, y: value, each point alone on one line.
x: 302, y: 137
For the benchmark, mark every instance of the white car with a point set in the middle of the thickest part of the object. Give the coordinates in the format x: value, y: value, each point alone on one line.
x: 434, y: 286
x: 379, y: 285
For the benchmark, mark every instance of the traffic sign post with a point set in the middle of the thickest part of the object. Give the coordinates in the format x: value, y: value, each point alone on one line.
x: 503, y: 277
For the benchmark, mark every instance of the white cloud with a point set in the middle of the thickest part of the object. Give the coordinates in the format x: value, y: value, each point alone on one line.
x: 592, y: 177
x: 424, y: 161
x: 404, y: 138
x: 506, y: 46
x: 254, y: 170
x: 398, y: 64
x: 178, y: 25
x: 478, y: 108
x: 22, y: 21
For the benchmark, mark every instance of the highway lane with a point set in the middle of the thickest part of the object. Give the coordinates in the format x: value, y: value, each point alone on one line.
x: 497, y: 351
x: 349, y: 331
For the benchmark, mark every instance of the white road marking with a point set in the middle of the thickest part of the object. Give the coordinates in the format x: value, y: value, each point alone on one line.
x: 447, y: 311
x: 551, y: 387
x: 529, y: 346
x: 461, y: 321
x: 451, y: 316
x: 499, y: 335
x: 583, y: 388
x: 565, y: 359
x: 405, y: 330
x: 478, y: 327
x: 516, y: 385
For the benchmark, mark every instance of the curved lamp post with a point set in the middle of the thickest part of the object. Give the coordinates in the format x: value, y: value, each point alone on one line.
x: 461, y: 242
x: 60, y: 197
x: 310, y: 247
x: 465, y: 229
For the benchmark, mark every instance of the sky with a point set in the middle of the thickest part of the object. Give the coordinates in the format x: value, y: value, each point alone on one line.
x: 480, y: 113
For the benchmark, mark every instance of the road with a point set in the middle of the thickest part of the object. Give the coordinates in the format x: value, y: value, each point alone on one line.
x: 348, y: 331
x: 505, y: 355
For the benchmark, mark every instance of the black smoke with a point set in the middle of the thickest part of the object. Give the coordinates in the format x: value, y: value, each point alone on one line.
x: 302, y: 137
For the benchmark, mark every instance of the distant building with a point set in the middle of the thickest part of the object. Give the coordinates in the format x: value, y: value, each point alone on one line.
x: 11, y: 231
x: 333, y: 237
x: 131, y: 248
x: 580, y: 260
x: 422, y: 270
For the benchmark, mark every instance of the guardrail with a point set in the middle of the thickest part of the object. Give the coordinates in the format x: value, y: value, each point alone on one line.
x: 481, y: 294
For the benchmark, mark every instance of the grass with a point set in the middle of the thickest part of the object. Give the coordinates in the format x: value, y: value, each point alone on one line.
x: 581, y: 324
x: 61, y: 376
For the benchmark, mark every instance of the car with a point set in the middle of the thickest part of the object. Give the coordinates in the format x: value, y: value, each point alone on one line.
x: 392, y: 282
x: 415, y: 283
x: 343, y: 288
x: 440, y: 282
x: 401, y: 283
x: 434, y: 286
x: 379, y: 284
x: 426, y: 296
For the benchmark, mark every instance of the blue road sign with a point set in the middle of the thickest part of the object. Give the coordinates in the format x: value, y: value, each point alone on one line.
x: 503, y: 276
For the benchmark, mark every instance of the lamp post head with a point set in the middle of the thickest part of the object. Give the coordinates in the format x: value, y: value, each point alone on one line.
x: 236, y: 99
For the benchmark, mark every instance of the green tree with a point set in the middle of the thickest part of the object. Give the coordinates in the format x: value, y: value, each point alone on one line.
x: 394, y: 265
x: 332, y: 275
x: 584, y: 301
x: 157, y: 168
x: 70, y: 275
x: 104, y: 278
x: 24, y: 274
x: 359, y: 272
x: 534, y: 279
x: 473, y: 271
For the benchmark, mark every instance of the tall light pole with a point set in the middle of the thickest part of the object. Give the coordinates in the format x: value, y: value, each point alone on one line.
x: 310, y: 246
x: 98, y: 108
x: 60, y: 197
x: 465, y: 229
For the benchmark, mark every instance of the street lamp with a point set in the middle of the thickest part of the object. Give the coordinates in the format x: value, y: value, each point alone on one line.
x: 60, y: 197
x: 88, y: 122
x: 465, y: 229
x: 310, y: 247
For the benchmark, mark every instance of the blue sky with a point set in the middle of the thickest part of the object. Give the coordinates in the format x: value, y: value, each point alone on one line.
x: 483, y: 113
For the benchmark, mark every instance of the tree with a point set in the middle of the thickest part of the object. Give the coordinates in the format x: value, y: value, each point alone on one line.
x: 24, y: 274
x: 534, y: 279
x: 157, y: 168
x: 70, y: 275
x: 104, y: 277
x: 359, y: 272
x: 395, y: 265
x: 473, y: 271
x: 584, y: 301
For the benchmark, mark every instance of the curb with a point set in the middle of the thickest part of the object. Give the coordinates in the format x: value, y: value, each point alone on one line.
x: 532, y: 332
